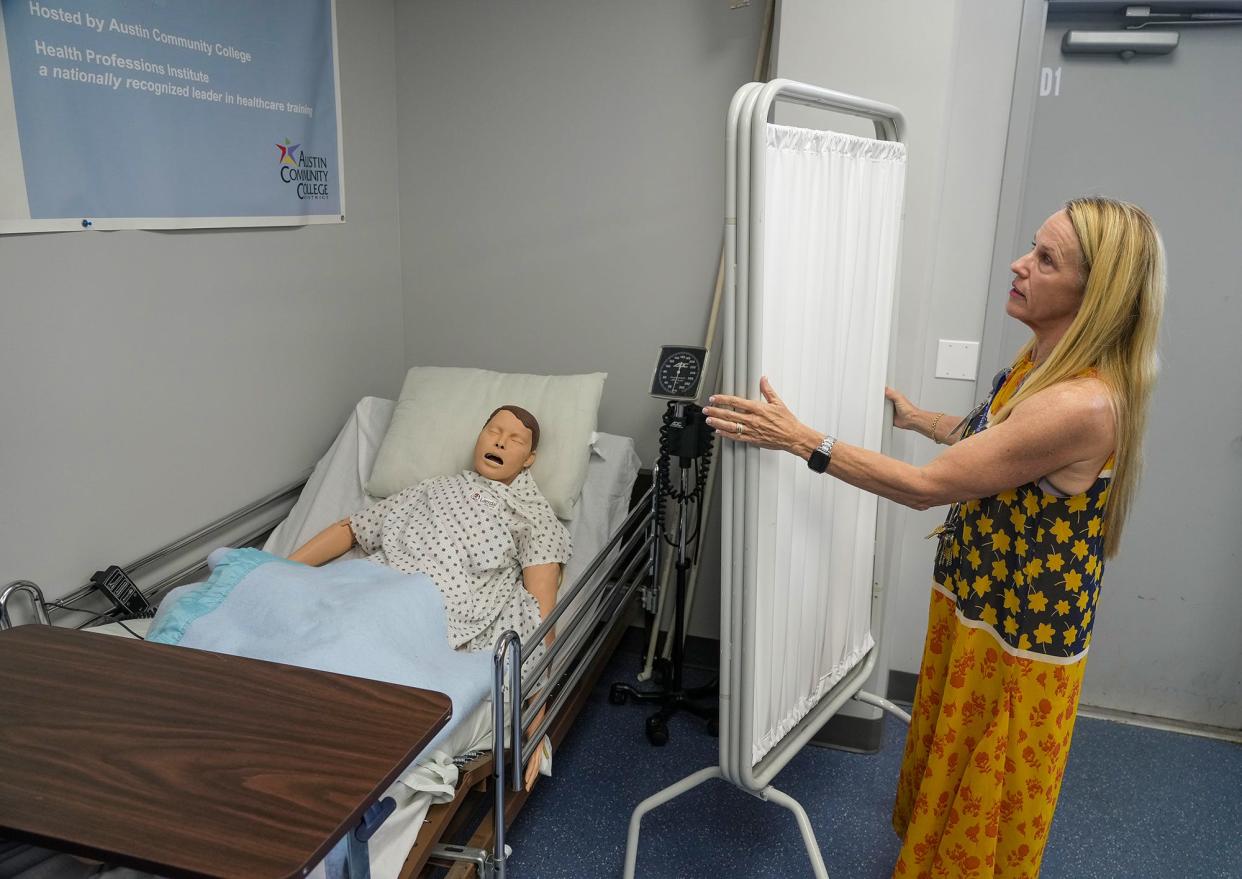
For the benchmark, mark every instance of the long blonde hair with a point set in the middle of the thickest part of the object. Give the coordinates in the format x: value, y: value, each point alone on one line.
x: 1114, y: 333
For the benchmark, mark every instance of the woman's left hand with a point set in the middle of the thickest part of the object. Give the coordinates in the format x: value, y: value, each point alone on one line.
x: 768, y: 423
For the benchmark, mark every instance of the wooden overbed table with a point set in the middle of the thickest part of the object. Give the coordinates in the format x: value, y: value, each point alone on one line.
x: 188, y: 763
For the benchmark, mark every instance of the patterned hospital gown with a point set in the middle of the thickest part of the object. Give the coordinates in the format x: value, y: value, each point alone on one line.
x: 472, y: 536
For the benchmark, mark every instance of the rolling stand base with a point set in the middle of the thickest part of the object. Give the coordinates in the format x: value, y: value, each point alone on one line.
x: 671, y: 701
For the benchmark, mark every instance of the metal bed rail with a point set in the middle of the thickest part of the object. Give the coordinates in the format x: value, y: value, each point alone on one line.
x: 616, y: 598
x: 31, y: 591
x: 44, y: 609
x: 609, y: 583
x: 290, y: 490
x: 564, y: 602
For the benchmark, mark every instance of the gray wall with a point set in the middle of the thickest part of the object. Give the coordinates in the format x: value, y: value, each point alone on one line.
x: 949, y: 67
x: 562, y: 178
x: 561, y: 174
x: 155, y: 381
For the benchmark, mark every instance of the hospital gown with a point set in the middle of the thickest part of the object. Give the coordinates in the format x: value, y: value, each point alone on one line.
x: 472, y: 536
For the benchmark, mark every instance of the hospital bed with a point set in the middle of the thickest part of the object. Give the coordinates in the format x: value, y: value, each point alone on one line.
x: 614, y: 549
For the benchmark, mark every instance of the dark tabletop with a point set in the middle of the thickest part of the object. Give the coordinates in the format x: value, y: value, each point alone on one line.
x: 189, y: 763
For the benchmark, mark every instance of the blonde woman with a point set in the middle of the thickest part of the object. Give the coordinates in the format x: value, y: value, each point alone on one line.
x: 1040, y: 479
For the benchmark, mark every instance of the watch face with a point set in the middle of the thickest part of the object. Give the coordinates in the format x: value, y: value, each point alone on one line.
x: 679, y: 372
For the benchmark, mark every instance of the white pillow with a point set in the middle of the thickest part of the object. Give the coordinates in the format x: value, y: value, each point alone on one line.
x: 442, y: 410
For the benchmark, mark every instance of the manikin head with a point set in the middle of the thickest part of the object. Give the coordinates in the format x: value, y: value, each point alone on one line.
x: 506, y: 444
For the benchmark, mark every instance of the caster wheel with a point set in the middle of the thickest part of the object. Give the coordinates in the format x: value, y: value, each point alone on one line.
x: 713, y: 728
x: 617, y: 695
x: 657, y: 731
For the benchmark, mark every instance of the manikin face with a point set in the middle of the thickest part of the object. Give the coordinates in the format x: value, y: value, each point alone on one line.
x: 1048, y: 281
x: 502, y: 450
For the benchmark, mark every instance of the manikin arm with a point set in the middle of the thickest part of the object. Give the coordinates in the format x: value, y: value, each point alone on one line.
x: 540, y: 581
x: 332, y: 542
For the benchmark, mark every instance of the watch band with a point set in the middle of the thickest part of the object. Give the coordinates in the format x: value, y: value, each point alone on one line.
x: 822, y: 456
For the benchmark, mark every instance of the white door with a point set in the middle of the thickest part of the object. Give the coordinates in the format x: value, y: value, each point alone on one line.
x: 1165, y: 133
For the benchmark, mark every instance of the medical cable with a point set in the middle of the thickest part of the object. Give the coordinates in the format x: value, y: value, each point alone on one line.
x: 131, y: 631
x: 683, y: 433
x: 59, y: 606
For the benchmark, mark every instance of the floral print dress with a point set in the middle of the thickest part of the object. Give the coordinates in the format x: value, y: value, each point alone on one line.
x: 1013, y: 600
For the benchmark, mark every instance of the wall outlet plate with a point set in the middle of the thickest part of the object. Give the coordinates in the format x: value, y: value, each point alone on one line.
x: 957, y: 360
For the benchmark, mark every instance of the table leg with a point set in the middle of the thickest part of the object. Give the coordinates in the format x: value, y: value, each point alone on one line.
x: 357, y: 857
x: 351, y: 858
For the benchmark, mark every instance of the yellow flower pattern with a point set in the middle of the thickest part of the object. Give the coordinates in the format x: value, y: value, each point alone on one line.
x: 1018, y: 578
x: 1028, y: 554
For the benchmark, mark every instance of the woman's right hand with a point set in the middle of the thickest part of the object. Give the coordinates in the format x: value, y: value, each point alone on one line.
x: 904, y: 412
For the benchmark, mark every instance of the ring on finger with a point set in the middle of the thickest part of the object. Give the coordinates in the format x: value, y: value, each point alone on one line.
x: 738, y: 427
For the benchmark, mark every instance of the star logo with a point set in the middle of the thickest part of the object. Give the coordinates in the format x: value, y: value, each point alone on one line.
x: 288, y: 152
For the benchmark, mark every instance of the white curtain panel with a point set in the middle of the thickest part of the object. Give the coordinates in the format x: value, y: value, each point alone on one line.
x: 832, y: 227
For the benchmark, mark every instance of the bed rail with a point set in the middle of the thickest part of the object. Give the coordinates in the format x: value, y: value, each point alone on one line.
x: 170, y: 551
x: 36, y: 600
x: 606, y: 588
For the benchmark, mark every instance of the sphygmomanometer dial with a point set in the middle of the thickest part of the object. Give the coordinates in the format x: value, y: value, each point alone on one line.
x: 679, y: 372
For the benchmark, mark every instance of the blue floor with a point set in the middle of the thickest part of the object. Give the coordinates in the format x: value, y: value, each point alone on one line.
x: 1135, y: 803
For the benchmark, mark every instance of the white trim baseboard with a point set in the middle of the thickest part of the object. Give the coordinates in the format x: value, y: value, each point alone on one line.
x: 1185, y: 727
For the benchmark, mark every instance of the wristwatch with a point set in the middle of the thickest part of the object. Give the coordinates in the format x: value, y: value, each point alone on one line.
x: 822, y: 456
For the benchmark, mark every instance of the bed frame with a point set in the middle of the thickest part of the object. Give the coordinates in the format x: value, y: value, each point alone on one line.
x: 466, y: 834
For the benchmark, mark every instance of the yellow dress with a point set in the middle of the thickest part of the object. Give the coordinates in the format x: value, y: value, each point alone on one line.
x: 1015, y: 587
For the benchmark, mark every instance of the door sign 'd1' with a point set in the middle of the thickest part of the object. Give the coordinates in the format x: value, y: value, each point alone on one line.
x: 1049, y: 82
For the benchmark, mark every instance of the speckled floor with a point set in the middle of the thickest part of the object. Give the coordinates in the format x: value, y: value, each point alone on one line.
x: 1135, y: 803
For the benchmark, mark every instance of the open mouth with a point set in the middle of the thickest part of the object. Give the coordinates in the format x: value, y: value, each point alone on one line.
x: 495, y: 459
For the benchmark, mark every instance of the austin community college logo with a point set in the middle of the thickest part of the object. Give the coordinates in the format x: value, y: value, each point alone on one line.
x: 310, y: 173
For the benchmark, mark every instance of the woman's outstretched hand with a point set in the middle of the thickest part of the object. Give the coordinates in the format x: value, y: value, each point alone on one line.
x: 904, y: 411
x: 766, y: 423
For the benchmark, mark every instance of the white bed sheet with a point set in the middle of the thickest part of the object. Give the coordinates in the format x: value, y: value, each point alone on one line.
x: 333, y: 491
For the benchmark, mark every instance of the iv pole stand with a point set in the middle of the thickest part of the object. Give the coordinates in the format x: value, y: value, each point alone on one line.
x: 675, y: 697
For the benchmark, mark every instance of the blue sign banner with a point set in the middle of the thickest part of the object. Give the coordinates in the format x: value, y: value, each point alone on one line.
x: 167, y: 113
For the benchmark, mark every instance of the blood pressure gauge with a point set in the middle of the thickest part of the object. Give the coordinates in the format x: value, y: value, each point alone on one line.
x: 679, y: 372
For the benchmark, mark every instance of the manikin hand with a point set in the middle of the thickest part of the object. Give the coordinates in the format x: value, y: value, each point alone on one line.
x: 532, y: 765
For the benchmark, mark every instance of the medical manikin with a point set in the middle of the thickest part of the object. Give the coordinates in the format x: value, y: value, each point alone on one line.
x: 486, y: 537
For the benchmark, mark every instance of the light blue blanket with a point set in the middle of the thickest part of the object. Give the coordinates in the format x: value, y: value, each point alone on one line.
x: 352, y: 617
